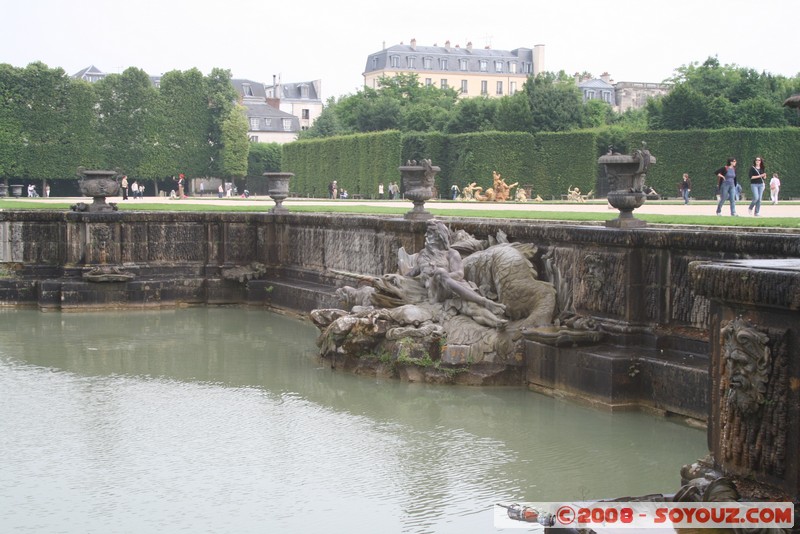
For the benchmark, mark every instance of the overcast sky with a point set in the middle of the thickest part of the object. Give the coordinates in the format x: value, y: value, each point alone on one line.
x: 633, y: 40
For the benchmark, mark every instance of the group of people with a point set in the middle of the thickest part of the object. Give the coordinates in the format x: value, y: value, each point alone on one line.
x: 728, y: 185
x: 334, y: 191
x: 137, y: 191
x: 729, y: 189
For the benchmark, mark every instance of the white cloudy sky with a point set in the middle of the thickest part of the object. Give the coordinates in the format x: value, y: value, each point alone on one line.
x: 633, y: 40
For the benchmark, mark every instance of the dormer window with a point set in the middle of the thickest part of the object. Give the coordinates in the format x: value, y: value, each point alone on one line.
x: 462, y: 64
x: 498, y: 66
x: 303, y: 91
x: 247, y: 90
x: 411, y: 60
x: 512, y: 67
x: 395, y: 62
x: 253, y: 123
x: 443, y: 64
x: 484, y: 65
x: 427, y: 63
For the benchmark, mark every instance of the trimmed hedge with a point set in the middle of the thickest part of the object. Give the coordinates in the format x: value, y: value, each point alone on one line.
x: 549, y: 162
x: 356, y: 162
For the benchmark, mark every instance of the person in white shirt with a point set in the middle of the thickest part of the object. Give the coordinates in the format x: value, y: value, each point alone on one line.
x: 774, y: 187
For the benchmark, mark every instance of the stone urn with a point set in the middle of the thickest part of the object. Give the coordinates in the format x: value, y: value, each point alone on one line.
x: 278, y: 189
x: 626, y: 174
x: 3, y: 190
x: 418, y: 181
x: 97, y: 184
x: 16, y: 190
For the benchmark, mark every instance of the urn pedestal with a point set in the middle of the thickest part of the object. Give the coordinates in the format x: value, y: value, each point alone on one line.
x: 16, y: 190
x: 97, y: 184
x: 418, y: 181
x: 626, y: 174
x: 278, y: 189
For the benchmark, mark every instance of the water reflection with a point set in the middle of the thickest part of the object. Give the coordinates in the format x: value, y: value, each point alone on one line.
x: 222, y: 420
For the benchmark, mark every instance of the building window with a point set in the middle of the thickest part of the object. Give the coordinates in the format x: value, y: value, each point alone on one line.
x: 375, y: 63
x: 395, y: 61
x: 443, y: 64
x: 607, y: 96
x: 512, y: 67
x: 427, y: 63
x: 498, y: 66
x: 253, y: 123
x: 254, y: 139
x: 444, y: 83
x: 411, y: 60
x: 306, y: 114
x: 512, y: 88
x: 464, y: 87
x: 268, y: 122
x: 463, y: 64
x: 428, y: 82
x: 499, y: 88
x: 484, y: 87
x: 484, y: 65
x: 303, y: 91
x: 287, y: 124
x: 247, y: 90
x: 589, y: 94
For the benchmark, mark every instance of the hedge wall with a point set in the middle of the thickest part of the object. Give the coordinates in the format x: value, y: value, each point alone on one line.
x: 701, y: 152
x: 549, y: 162
x: 357, y: 162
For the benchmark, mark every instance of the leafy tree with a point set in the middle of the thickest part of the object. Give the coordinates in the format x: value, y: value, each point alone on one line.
x: 513, y: 113
x: 556, y: 102
x: 222, y: 99
x: 472, y: 115
x: 125, y: 107
x: 263, y: 157
x: 234, y: 145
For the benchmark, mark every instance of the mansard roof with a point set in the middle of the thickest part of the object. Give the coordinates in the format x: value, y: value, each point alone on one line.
x: 262, y: 110
x: 381, y: 60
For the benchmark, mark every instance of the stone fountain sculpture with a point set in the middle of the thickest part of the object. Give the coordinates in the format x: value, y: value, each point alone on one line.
x: 459, y: 301
x: 418, y: 182
x: 278, y: 189
x: 626, y: 174
x: 97, y: 184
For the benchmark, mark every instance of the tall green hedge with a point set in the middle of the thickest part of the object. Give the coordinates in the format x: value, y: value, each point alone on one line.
x: 701, y: 152
x: 356, y: 162
x: 549, y: 162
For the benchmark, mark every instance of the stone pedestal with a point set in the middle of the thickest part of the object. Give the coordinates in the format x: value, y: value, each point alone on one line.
x: 418, y: 182
x: 754, y: 420
x: 278, y: 189
x: 626, y: 176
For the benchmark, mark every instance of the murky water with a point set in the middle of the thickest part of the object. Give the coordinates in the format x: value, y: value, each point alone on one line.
x: 222, y: 420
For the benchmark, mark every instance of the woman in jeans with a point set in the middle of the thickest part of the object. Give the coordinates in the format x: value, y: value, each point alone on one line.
x: 727, y: 185
x: 757, y: 180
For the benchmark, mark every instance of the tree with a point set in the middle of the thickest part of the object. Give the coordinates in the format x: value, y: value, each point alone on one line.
x: 263, y: 157
x: 555, y: 102
x: 472, y: 115
x: 234, y: 144
x: 513, y: 113
x: 124, y: 109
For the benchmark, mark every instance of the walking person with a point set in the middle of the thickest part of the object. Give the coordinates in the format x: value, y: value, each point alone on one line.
x: 758, y: 178
x: 727, y: 185
x: 380, y: 191
x: 124, y: 185
x: 774, y: 188
x: 686, y: 187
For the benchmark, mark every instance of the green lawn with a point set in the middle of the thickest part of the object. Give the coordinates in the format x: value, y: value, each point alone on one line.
x: 441, y: 209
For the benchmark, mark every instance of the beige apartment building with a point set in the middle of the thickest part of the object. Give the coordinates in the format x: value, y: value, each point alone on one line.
x: 470, y: 71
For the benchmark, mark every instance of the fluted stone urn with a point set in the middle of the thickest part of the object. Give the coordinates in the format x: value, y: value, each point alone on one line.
x: 626, y: 174
x: 97, y: 184
x: 278, y: 189
x: 418, y: 181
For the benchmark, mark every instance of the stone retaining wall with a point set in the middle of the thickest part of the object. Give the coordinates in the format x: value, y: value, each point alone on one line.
x: 635, y: 283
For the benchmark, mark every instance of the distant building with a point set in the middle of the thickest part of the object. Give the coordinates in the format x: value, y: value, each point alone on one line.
x: 622, y: 96
x: 90, y: 74
x: 302, y: 99
x: 470, y: 71
x: 267, y: 123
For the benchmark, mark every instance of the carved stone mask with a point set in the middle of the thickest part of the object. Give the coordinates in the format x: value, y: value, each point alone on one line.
x: 747, y: 360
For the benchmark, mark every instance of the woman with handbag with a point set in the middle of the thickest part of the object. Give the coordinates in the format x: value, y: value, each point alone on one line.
x: 758, y: 177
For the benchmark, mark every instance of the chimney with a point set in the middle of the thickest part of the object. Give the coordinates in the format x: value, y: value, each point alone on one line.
x: 413, y: 44
x: 606, y: 77
x: 469, y: 46
x: 447, y: 45
x: 275, y: 100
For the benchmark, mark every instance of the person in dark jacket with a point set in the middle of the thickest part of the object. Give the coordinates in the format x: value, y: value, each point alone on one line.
x: 726, y: 176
